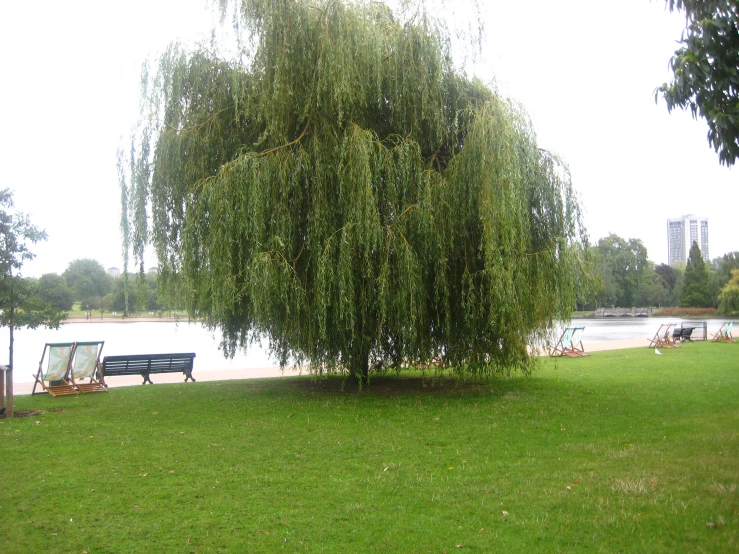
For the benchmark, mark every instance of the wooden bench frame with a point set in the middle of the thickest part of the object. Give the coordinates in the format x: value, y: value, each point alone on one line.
x: 146, y: 364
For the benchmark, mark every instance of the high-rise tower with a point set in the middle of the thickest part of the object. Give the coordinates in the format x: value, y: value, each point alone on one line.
x: 682, y: 233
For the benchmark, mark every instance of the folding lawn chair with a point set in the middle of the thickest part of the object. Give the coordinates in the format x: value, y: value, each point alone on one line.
x: 563, y: 343
x: 663, y: 337
x: 576, y: 348
x: 57, y: 370
x: 86, y: 365
x: 724, y: 333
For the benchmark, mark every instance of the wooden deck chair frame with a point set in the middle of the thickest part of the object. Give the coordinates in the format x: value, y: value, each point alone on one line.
x: 58, y: 367
x: 724, y: 333
x: 663, y: 337
x: 656, y: 340
x: 86, y: 365
x: 576, y: 348
x: 563, y: 343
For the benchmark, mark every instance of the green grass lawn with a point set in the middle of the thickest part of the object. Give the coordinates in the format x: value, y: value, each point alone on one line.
x: 623, y: 451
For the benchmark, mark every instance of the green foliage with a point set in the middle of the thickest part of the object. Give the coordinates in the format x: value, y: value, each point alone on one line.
x: 53, y: 288
x: 148, y: 302
x: 728, y: 300
x: 30, y: 310
x: 87, y: 278
x: 20, y: 304
x: 669, y: 275
x: 563, y: 461
x: 721, y: 272
x: 706, y: 71
x: 625, y: 271
x: 341, y: 189
x: 695, y: 292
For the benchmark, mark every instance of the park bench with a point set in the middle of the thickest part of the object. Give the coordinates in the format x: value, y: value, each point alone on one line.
x: 146, y: 364
x: 682, y: 334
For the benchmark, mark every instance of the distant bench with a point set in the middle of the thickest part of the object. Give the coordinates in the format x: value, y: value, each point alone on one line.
x: 146, y: 364
x: 682, y: 334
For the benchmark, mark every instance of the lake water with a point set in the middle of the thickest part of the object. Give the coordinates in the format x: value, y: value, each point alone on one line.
x: 165, y: 337
x: 130, y: 338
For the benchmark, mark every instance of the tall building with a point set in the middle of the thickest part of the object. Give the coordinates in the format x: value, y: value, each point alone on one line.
x: 682, y: 233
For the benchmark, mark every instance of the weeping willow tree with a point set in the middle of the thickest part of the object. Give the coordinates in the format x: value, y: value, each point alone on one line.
x: 340, y: 188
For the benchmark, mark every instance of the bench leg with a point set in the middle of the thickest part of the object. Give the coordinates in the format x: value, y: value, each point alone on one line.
x: 188, y: 375
x: 147, y: 378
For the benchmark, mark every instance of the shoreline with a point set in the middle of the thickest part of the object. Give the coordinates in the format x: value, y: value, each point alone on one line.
x: 20, y: 389
x: 120, y: 319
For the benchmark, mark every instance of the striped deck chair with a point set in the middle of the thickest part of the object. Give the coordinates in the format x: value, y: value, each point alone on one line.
x: 724, y: 333
x: 563, y: 343
x: 57, y: 370
x: 86, y: 365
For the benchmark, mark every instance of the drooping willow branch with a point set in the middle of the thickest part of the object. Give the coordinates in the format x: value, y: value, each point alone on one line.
x: 355, y: 199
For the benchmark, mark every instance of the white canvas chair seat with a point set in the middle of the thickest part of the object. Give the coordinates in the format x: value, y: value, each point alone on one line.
x: 724, y: 333
x: 85, y: 366
x: 59, y: 361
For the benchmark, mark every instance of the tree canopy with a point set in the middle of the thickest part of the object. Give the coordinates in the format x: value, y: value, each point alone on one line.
x: 728, y: 300
x: 87, y: 278
x: 53, y: 288
x: 624, y: 270
x: 338, y: 186
x: 706, y: 71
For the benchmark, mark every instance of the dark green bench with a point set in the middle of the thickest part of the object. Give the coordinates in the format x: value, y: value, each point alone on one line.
x: 146, y: 364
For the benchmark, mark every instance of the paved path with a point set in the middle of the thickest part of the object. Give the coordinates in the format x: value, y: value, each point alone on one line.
x: 260, y: 373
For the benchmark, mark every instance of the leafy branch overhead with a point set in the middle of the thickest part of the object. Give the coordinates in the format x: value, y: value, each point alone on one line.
x: 706, y: 71
x: 339, y: 187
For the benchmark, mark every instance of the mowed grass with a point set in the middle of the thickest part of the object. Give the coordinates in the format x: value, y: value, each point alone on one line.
x: 622, y: 451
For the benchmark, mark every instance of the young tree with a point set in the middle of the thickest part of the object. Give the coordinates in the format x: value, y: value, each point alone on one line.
x: 705, y: 68
x: 695, y: 292
x: 20, y: 305
x: 340, y: 188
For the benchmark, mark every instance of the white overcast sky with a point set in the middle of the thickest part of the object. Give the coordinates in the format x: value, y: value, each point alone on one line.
x: 585, y: 71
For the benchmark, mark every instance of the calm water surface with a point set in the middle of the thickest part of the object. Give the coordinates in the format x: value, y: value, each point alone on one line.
x: 166, y: 337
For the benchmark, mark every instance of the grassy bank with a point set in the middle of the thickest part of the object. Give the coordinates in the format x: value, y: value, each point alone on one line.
x: 622, y: 451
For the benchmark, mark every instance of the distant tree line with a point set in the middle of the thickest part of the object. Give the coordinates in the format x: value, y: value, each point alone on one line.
x: 622, y: 268
x: 628, y: 278
x: 86, y: 281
